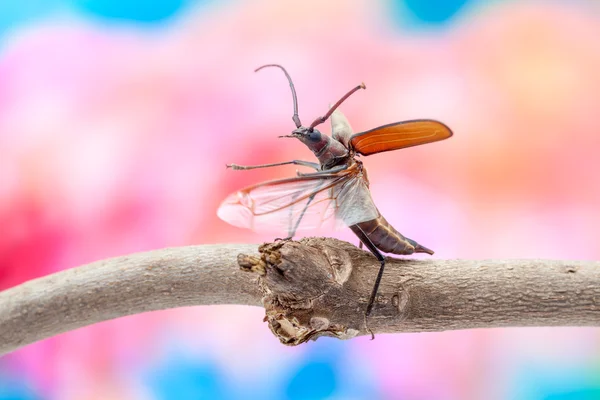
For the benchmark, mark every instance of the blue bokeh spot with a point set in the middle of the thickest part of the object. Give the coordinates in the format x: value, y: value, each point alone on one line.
x: 12, y: 389
x: 131, y: 10
x: 314, y: 380
x: 316, y: 377
x: 181, y: 378
x: 582, y: 394
x: 429, y: 11
x: 14, y: 13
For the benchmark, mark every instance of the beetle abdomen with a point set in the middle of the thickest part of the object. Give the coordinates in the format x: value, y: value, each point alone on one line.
x: 387, y: 239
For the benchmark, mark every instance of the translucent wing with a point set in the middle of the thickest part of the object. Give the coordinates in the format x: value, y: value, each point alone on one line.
x: 302, y: 203
x: 354, y: 203
x: 282, y: 205
x: 399, y: 135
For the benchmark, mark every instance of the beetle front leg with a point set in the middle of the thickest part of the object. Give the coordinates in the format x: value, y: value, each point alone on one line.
x: 324, y: 172
x: 309, y: 164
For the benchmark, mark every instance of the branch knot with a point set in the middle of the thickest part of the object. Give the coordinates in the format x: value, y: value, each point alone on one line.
x: 303, y: 284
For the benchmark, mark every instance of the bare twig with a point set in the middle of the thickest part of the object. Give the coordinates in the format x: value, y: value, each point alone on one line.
x: 309, y: 288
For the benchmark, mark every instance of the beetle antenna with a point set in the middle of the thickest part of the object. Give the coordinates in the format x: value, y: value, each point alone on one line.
x: 322, y: 119
x: 295, y: 117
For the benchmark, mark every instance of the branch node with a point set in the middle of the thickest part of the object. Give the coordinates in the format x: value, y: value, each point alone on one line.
x: 251, y: 264
x: 302, y: 282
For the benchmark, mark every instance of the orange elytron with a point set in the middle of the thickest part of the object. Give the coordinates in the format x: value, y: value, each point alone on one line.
x: 338, y: 190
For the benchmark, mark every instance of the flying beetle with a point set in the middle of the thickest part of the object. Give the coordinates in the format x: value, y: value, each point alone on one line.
x: 339, y: 187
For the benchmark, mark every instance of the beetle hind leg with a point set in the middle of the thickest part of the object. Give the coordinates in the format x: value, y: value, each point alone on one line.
x: 364, y: 238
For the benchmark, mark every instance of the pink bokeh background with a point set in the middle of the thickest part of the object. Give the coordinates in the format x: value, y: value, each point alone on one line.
x: 114, y: 141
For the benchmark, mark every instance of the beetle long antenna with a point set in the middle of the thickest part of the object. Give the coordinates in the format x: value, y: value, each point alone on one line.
x: 295, y: 117
x: 322, y: 119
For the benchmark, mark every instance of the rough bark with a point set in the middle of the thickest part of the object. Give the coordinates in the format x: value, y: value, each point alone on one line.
x: 314, y: 287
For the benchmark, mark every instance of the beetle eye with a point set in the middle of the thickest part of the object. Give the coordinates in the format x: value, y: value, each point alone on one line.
x: 314, y: 136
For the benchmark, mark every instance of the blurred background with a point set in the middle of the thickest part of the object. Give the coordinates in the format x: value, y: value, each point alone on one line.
x: 117, y: 118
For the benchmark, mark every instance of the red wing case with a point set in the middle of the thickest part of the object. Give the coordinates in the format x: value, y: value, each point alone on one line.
x: 399, y: 135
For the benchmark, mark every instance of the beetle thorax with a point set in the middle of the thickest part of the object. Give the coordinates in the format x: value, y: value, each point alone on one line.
x: 329, y: 151
x: 334, y: 153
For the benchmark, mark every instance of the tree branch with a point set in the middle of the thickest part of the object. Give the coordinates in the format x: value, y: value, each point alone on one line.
x: 309, y: 288
x: 103, y: 290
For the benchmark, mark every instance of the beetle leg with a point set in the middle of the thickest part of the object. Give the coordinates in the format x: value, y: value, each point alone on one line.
x: 309, y: 164
x: 333, y: 170
x: 369, y: 244
x: 292, y: 232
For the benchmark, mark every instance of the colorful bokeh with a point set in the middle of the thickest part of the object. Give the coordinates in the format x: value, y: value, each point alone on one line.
x: 117, y: 118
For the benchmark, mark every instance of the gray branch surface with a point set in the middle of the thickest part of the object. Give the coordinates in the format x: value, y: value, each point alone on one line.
x: 310, y: 288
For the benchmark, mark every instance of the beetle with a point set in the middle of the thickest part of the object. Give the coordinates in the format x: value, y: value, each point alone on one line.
x: 339, y: 187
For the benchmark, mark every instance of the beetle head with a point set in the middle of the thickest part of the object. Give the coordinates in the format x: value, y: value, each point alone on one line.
x: 307, y: 135
x: 311, y: 137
